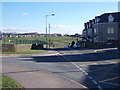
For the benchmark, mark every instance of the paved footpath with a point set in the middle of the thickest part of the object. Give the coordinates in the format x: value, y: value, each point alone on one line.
x: 50, y: 52
x: 36, y: 78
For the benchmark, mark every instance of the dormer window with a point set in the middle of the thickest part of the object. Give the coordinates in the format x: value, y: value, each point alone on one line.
x: 89, y: 24
x: 110, y: 18
x: 97, y: 20
x: 92, y: 22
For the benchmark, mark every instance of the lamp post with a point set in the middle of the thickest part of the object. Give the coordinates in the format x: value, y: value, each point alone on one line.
x: 49, y: 36
x: 46, y: 30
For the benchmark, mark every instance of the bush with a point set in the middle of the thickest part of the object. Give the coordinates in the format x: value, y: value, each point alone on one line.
x: 37, y: 46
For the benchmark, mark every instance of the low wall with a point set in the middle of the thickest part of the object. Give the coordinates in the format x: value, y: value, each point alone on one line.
x: 14, y: 48
x: 22, y: 47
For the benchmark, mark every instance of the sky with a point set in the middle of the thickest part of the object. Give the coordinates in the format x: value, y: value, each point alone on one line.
x: 69, y: 18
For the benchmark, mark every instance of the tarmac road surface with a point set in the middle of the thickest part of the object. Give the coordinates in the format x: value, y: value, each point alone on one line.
x: 93, y: 68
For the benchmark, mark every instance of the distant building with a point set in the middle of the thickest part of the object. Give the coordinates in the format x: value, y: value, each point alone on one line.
x: 102, y: 29
x: 18, y: 35
x: 66, y: 35
x: 73, y: 35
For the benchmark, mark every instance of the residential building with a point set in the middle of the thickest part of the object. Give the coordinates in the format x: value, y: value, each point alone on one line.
x: 103, y: 28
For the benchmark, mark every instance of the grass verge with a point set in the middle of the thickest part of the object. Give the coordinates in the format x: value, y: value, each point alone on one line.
x: 58, y: 41
x: 26, y: 52
x: 7, y: 82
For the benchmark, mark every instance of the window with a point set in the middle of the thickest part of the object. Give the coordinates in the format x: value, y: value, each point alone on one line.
x: 97, y: 20
x: 95, y: 30
x: 110, y: 18
x: 110, y: 30
x: 90, y: 31
x: 95, y: 39
x: 89, y: 24
x: 110, y: 38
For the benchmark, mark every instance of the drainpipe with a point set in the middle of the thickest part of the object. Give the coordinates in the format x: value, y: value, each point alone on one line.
x: 119, y: 35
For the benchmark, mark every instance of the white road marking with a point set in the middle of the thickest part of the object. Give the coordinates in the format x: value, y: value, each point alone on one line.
x: 100, y: 88
x: 110, y: 79
x: 98, y: 63
x: 44, y: 63
x: 65, y: 65
x: 25, y: 58
x: 90, y: 77
x: 99, y: 50
x: 111, y: 83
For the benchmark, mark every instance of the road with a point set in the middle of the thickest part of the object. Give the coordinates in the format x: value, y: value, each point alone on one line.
x: 94, y: 68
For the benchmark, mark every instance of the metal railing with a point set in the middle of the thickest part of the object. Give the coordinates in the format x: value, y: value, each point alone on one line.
x: 17, y: 41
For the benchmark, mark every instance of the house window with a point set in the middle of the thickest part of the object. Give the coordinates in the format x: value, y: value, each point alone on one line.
x: 97, y: 20
x: 95, y: 39
x: 95, y: 30
x: 89, y: 24
x: 110, y: 30
x: 110, y: 18
x: 111, y: 38
x: 89, y: 31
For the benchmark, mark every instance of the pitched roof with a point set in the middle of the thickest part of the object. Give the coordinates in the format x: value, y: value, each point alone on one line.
x: 104, y: 17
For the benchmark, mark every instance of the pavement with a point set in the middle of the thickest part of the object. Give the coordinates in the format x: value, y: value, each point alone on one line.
x: 51, y: 52
x: 36, y: 78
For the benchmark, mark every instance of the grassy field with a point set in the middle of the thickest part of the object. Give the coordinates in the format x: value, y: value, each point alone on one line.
x: 58, y: 41
x: 26, y: 52
x: 7, y: 82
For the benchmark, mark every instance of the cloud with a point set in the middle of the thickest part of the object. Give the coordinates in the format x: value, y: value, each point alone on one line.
x: 62, y: 26
x: 19, y: 30
x: 59, y: 26
x: 25, y: 13
x: 6, y: 29
x: 13, y: 29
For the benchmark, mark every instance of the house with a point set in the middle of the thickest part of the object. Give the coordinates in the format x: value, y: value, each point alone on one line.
x: 102, y: 29
x: 18, y: 35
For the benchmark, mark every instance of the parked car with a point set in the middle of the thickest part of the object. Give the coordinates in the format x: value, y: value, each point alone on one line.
x: 66, y: 46
x: 77, y: 45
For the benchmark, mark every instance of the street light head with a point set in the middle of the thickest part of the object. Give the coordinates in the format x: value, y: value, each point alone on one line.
x: 53, y: 14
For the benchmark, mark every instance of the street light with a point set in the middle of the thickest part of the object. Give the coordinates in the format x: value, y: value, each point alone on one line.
x: 46, y: 30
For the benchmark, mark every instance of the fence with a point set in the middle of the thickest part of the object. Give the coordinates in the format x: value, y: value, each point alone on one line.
x: 16, y: 41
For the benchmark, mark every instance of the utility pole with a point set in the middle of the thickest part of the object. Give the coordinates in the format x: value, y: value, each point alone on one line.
x: 49, y: 36
x: 46, y: 31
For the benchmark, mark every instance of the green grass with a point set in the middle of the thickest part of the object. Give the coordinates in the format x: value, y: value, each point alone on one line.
x: 26, y: 52
x: 61, y: 41
x: 7, y: 82
x: 58, y: 41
